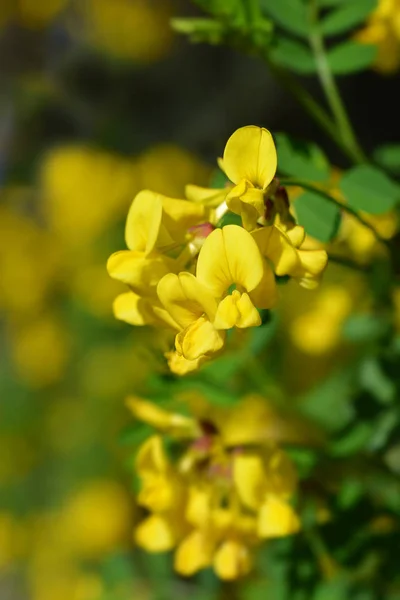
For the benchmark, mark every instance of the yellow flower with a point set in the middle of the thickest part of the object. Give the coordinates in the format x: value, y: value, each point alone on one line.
x: 31, y: 13
x: 133, y: 29
x: 250, y: 162
x: 221, y: 497
x: 285, y: 251
x: 205, y: 305
x: 383, y: 30
x: 155, y: 225
x: 85, y: 192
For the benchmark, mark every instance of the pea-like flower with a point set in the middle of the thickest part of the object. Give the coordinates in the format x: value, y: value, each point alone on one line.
x: 228, y: 488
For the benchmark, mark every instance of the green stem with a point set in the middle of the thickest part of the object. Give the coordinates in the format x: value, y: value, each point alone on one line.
x: 330, y: 88
x: 343, y: 207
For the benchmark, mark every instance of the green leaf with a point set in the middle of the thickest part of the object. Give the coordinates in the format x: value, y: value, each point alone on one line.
x: 333, y: 590
x: 208, y: 31
x: 298, y: 158
x: 388, y: 156
x: 375, y: 381
x: 320, y: 218
x: 288, y: 14
x: 363, y: 328
x: 347, y: 16
x: 218, y: 179
x: 293, y: 55
x: 350, y: 57
x: 369, y: 189
x: 329, y: 403
x: 229, y: 218
x: 353, y: 441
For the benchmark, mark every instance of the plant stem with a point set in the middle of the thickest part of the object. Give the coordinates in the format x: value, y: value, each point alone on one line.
x: 330, y: 88
x: 306, y: 185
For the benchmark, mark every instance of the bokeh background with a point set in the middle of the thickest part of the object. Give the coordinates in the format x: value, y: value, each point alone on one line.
x: 98, y: 100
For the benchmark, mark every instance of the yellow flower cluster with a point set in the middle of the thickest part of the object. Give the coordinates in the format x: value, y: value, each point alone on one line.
x: 188, y: 272
x: 228, y: 488
x: 383, y: 30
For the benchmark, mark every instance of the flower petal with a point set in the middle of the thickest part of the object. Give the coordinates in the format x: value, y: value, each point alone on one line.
x: 236, y: 310
x: 151, y: 457
x: 133, y: 309
x: 250, y: 154
x: 265, y: 295
x: 277, y: 518
x: 179, y: 365
x: 141, y: 273
x: 207, y: 196
x: 199, y: 339
x: 157, y: 533
x: 232, y: 560
x: 195, y: 552
x: 250, y: 479
x: 153, y: 415
x: 229, y: 256
x: 143, y: 222
x: 277, y: 247
x: 185, y: 298
x: 180, y: 215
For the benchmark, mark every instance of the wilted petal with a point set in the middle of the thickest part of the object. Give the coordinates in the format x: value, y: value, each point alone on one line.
x: 250, y: 154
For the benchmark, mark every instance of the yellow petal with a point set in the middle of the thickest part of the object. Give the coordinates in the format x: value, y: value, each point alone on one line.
x: 151, y: 457
x: 232, y: 560
x: 143, y: 222
x: 229, y: 256
x: 198, y: 509
x: 281, y: 474
x: 207, y: 196
x: 296, y: 235
x: 141, y: 273
x: 195, y: 552
x: 236, y: 310
x: 180, y: 215
x: 248, y: 202
x: 156, y: 534
x: 185, y: 298
x: 265, y: 295
x: 249, y: 476
x: 313, y: 262
x: 277, y: 247
x: 277, y: 518
x: 133, y: 309
x: 250, y: 154
x: 179, y: 365
x: 153, y: 415
x: 198, y: 339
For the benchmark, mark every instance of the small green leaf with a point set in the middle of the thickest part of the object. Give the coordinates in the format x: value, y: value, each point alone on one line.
x: 353, y: 441
x: 200, y: 30
x: 369, y: 189
x: 349, y: 57
x: 301, y: 159
x: 218, y: 179
x: 320, y: 218
x: 293, y: 55
x: 363, y: 328
x: 375, y: 381
x: 347, y: 16
x: 288, y: 14
x: 388, y: 156
x: 229, y: 218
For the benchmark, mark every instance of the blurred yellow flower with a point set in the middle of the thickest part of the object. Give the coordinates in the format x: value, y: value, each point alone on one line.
x: 13, y: 539
x: 29, y: 260
x: 383, y: 30
x: 85, y: 192
x: 30, y: 13
x: 96, y: 519
x: 138, y: 30
x: 216, y: 500
x: 40, y: 349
